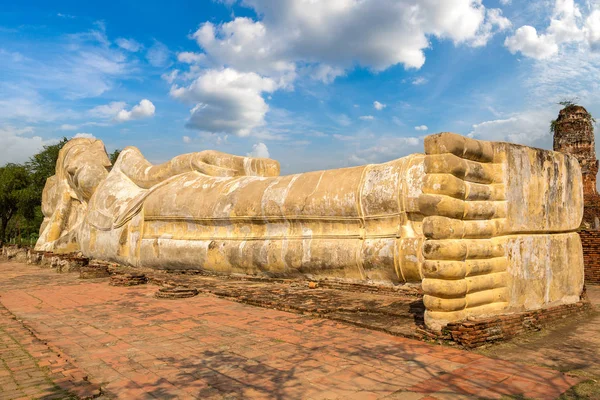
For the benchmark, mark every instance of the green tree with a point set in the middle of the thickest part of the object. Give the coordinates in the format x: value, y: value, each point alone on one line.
x: 42, y: 166
x: 14, y: 182
x: 114, y: 155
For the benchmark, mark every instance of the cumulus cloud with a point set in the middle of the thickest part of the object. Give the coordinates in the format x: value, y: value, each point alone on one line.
x: 129, y: 44
x: 259, y: 150
x: 318, y: 39
x: 375, y: 34
x: 143, y: 110
x: 379, y: 106
x: 18, y: 144
x: 367, y: 117
x: 567, y: 26
x: 226, y: 101
x: 419, y: 81
x: 495, y: 22
x: 421, y: 128
x: 527, y: 41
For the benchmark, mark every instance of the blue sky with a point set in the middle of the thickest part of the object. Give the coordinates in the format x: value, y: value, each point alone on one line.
x: 312, y: 84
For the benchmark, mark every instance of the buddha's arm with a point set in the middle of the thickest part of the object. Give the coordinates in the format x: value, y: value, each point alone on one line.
x: 144, y: 174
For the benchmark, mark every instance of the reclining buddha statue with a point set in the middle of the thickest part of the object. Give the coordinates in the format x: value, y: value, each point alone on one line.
x: 485, y: 227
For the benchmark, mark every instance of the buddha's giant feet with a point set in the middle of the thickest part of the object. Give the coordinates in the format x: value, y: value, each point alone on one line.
x: 499, y: 228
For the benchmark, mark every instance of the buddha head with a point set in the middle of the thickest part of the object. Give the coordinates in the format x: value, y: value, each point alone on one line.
x: 83, y: 164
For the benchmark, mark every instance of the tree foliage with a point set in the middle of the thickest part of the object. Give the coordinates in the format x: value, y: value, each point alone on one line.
x: 21, y: 189
x: 42, y: 165
x: 14, y: 182
x: 114, y: 155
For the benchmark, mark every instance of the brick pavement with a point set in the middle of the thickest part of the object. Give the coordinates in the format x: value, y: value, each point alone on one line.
x: 30, y: 369
x: 136, y: 347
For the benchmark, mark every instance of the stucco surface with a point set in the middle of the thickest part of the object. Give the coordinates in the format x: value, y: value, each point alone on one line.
x: 487, y: 227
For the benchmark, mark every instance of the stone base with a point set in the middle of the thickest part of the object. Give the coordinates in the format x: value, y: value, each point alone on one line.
x: 15, y: 253
x: 128, y: 279
x: 175, y: 292
x: 478, y: 332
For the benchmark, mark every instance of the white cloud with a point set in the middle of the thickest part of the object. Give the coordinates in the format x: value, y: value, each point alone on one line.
x: 495, y: 22
x: 158, y: 55
x: 592, y: 30
x: 341, y: 33
x: 319, y: 39
x: 367, y: 117
x: 527, y: 41
x: 107, y: 110
x: 84, y: 135
x: 245, y: 45
x: 129, y: 44
x: 385, y: 148
x: 529, y: 128
x: 327, y: 73
x: 379, y: 106
x: 189, y: 57
x: 143, y: 110
x: 187, y: 139
x: 17, y: 144
x: 76, y: 66
x: 259, y: 150
x: 505, y: 2
x: 421, y: 128
x: 67, y: 127
x: 27, y: 106
x: 419, y: 81
x: 226, y: 101
x: 567, y: 26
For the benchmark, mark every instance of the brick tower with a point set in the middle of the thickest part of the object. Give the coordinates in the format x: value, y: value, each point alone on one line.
x: 574, y: 134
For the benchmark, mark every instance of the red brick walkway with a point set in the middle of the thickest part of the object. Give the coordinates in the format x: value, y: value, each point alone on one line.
x: 140, y: 347
x: 30, y: 369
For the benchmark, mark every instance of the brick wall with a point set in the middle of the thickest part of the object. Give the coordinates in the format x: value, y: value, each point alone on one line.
x: 480, y: 331
x: 591, y: 256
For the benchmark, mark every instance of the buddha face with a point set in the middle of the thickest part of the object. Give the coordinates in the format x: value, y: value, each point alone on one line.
x: 86, y: 166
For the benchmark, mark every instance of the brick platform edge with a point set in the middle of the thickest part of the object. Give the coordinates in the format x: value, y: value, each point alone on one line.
x: 475, y: 333
x: 591, y: 256
x: 54, y: 364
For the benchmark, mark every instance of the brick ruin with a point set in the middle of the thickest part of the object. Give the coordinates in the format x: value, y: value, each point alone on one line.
x: 574, y: 134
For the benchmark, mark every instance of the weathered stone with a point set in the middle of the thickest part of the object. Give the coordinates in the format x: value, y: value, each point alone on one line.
x: 15, y: 253
x: 487, y: 227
